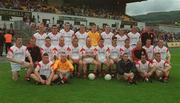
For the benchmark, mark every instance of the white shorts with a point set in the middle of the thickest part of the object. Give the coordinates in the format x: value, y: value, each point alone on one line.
x: 88, y: 60
x: 15, y: 67
x: 102, y: 60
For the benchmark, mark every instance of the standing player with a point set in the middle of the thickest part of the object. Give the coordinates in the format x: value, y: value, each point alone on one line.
x: 54, y: 35
x: 40, y: 35
x: 94, y: 36
x: 149, y: 49
x: 145, y: 68
x: 107, y: 36
x: 165, y: 54
x: 134, y: 37
x: 162, y: 68
x: 89, y: 57
x: 121, y: 37
x: 103, y: 58
x: 48, y: 48
x: 81, y: 35
x: 67, y: 33
x: 43, y: 72
x: 16, y: 55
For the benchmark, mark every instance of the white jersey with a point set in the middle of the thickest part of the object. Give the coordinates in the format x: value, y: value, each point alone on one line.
x: 160, y: 65
x: 67, y: 36
x: 163, y: 51
x: 134, y: 38
x: 144, y: 67
x: 107, y: 38
x: 18, y: 54
x: 121, y: 40
x: 102, y: 53
x: 49, y: 51
x: 75, y: 53
x: 44, y: 69
x: 54, y: 38
x: 58, y: 50
x: 128, y: 51
x: 40, y: 39
x: 81, y: 38
x: 149, y: 51
x: 114, y: 52
x: 90, y: 51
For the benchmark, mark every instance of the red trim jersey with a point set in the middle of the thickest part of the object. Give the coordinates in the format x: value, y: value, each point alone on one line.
x: 40, y: 39
x: 163, y: 51
x: 18, y: 54
x: 107, y: 38
x: 81, y: 38
x: 44, y: 69
x: 144, y: 67
x: 49, y: 51
x: 67, y: 36
x: 134, y: 38
x: 121, y: 40
x: 54, y: 38
x: 160, y: 65
x: 149, y: 51
x: 58, y: 50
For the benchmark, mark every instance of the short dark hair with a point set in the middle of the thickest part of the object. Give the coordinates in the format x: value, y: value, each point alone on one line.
x: 48, y: 37
x: 45, y: 54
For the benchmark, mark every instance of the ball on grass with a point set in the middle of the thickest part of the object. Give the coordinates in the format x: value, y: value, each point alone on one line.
x: 107, y: 77
x: 91, y: 76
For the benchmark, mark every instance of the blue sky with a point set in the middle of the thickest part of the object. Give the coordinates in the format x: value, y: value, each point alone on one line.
x: 144, y: 7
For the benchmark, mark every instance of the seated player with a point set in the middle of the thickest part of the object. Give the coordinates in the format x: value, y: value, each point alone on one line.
x: 89, y: 57
x: 145, y: 68
x: 138, y: 51
x: 162, y: 68
x: 114, y: 51
x: 63, y: 68
x: 48, y: 48
x: 126, y: 69
x: 103, y: 58
x: 165, y: 54
x: 60, y: 48
x: 75, y: 56
x: 43, y: 72
x: 16, y: 55
x: 149, y: 49
x: 126, y: 49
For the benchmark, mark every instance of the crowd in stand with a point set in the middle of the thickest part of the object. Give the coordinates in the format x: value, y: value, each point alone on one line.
x: 41, y: 6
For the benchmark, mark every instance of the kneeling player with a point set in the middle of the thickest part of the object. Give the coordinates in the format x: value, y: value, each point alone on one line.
x: 145, y: 68
x: 89, y: 58
x: 162, y: 68
x: 63, y: 68
x: 43, y: 72
x: 126, y: 68
x: 103, y: 58
x: 16, y: 55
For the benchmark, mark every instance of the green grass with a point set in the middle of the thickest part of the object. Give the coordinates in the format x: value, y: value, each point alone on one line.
x: 86, y: 91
